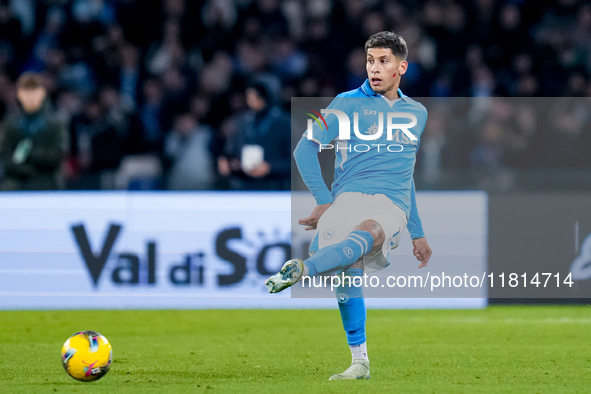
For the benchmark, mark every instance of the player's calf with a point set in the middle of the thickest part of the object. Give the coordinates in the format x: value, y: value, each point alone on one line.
x: 342, y: 254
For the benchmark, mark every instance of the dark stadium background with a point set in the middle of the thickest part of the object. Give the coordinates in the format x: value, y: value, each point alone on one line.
x: 175, y: 279
x: 135, y: 66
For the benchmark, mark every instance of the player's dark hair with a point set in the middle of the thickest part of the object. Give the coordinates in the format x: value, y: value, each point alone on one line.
x: 388, y: 39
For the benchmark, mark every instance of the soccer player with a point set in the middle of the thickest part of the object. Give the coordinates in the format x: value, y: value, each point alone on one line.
x: 373, y: 193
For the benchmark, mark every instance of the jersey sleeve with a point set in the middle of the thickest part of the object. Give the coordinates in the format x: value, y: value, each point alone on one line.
x: 422, y: 120
x: 306, y: 157
x: 415, y: 227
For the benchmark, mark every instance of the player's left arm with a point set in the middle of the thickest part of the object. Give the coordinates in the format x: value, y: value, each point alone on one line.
x: 421, y: 248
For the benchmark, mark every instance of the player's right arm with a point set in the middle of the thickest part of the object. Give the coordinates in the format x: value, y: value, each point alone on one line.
x: 306, y: 157
x: 311, y: 222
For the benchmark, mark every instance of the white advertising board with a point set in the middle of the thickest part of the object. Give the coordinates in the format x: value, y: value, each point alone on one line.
x: 87, y: 250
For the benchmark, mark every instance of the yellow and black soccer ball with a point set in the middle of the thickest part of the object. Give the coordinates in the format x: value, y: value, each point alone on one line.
x: 86, y: 356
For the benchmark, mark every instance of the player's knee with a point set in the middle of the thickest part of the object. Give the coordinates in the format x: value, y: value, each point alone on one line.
x: 357, y: 264
x: 374, y: 228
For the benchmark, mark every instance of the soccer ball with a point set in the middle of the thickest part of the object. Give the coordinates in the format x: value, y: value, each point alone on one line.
x: 86, y: 356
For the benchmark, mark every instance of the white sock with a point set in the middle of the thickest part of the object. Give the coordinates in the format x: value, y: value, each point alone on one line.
x: 359, y: 351
x: 305, y: 271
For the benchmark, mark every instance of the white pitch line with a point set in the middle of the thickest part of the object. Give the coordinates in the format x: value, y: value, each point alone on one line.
x: 477, y: 320
x: 98, y: 295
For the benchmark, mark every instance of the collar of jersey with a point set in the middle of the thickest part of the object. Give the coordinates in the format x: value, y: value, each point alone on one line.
x: 366, y: 87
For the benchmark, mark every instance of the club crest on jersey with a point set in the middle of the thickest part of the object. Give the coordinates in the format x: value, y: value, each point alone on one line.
x: 328, y: 234
x: 372, y: 130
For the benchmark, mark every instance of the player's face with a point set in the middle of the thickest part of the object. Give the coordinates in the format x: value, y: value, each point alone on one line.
x: 384, y: 71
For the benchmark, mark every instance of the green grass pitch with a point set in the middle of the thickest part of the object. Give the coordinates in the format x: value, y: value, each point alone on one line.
x: 497, y: 349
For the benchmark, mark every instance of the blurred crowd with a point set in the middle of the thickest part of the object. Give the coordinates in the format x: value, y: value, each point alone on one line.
x: 195, y: 95
x: 506, y: 143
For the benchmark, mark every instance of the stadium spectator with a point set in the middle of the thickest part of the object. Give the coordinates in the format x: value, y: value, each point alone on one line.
x: 257, y: 154
x: 12, y: 40
x: 96, y: 146
x: 187, y: 148
x: 32, y: 140
x: 219, y: 18
x: 567, y: 136
x: 287, y: 61
x: 268, y: 16
x: 180, y: 49
x: 49, y: 39
x: 166, y: 53
x: 355, y: 68
x: 8, y: 100
x: 488, y: 153
x: 129, y: 74
x: 147, y: 130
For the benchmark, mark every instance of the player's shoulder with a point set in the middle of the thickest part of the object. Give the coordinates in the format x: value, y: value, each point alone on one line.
x: 417, y: 106
x: 353, y: 93
x: 342, y: 100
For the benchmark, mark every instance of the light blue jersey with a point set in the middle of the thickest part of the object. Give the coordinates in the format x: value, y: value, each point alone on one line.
x: 379, y: 154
